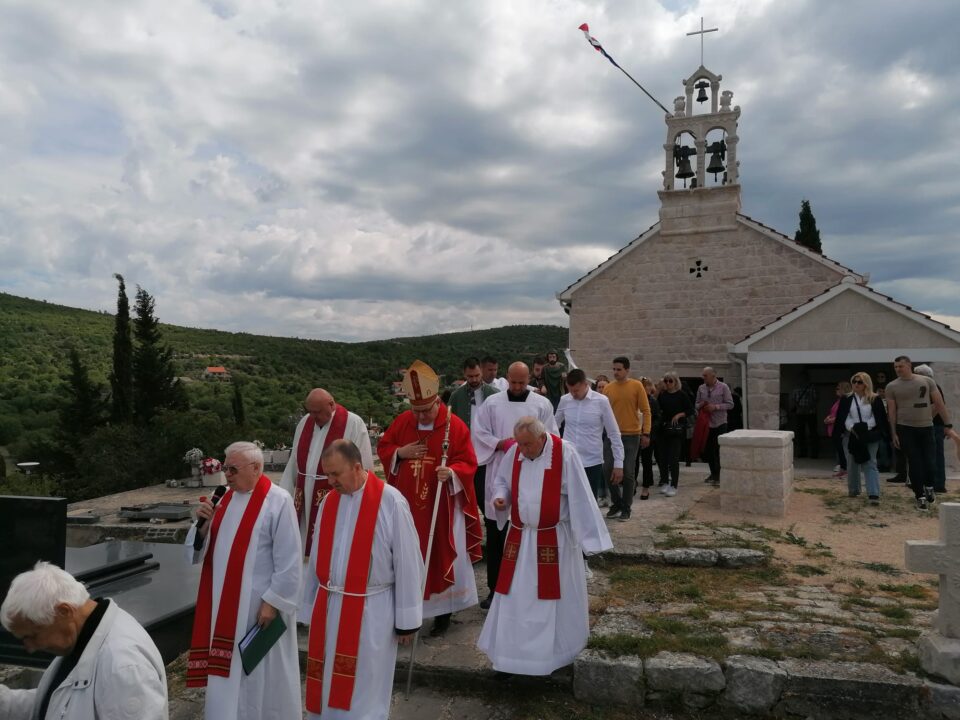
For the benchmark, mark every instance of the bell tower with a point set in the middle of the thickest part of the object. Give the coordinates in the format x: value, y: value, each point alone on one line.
x: 701, y: 172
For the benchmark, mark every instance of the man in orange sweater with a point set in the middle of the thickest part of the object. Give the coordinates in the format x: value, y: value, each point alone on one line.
x: 628, y: 398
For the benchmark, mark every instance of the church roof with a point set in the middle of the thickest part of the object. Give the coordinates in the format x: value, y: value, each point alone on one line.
x: 848, y: 284
x: 564, y: 296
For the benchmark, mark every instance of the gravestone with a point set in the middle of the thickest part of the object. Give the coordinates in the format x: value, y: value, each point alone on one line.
x: 31, y: 529
x: 940, y: 649
x: 757, y: 476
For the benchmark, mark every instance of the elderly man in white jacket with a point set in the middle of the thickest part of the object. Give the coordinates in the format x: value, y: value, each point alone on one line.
x: 107, y: 667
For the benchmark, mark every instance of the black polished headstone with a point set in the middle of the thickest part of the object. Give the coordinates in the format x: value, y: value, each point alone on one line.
x: 31, y: 529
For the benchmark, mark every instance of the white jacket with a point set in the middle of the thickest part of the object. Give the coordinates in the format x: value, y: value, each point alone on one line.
x: 120, y: 675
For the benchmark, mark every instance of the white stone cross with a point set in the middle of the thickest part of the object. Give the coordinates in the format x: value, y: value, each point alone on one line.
x: 943, y: 558
x: 701, y: 32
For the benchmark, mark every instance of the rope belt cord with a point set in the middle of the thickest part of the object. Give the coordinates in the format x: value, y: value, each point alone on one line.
x: 338, y: 590
x: 534, y: 527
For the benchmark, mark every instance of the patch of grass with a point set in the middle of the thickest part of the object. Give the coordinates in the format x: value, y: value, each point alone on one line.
x: 880, y: 567
x: 896, y: 613
x: 808, y: 570
x: 691, y: 640
x: 766, y: 652
x: 917, y: 592
x: 905, y: 633
x: 698, y: 613
x: 793, y: 539
x: 814, y: 491
x: 683, y: 516
x: 717, y: 588
x: 668, y: 625
x: 673, y: 541
x: 860, y: 601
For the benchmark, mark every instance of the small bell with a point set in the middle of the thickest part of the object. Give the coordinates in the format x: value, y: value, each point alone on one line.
x: 684, y: 170
x: 702, y: 87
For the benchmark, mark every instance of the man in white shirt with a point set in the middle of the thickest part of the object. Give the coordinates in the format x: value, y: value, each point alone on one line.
x: 490, y: 367
x: 584, y: 414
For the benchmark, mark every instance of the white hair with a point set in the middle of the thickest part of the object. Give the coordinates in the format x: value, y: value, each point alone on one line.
x: 924, y: 370
x: 249, y: 450
x: 531, y: 425
x: 35, y: 594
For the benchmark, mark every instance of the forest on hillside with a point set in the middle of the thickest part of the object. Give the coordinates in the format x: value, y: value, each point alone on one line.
x: 274, y: 374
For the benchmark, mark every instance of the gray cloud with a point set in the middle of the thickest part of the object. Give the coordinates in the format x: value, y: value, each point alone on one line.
x: 382, y: 169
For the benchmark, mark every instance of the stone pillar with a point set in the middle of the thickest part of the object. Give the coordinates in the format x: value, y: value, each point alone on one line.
x: 701, y: 146
x: 757, y: 472
x: 763, y: 390
x: 947, y: 376
x: 733, y: 174
x: 668, y: 179
x: 940, y: 648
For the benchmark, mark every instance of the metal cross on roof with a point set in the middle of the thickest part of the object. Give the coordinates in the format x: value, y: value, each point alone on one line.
x: 701, y: 32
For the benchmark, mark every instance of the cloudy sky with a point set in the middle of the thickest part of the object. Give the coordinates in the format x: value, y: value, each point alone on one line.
x: 397, y: 167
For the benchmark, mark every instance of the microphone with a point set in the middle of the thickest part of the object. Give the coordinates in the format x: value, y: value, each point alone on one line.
x: 199, y: 539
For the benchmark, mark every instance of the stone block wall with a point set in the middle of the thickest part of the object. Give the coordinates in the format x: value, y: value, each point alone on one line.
x: 763, y: 396
x: 650, y: 307
x: 947, y: 376
x: 757, y: 476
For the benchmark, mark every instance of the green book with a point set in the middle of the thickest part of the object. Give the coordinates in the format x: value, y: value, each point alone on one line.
x: 258, y: 641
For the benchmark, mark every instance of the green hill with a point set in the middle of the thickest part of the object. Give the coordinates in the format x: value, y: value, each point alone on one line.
x: 275, y: 373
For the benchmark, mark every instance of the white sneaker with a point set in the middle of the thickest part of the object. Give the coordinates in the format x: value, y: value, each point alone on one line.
x: 664, y: 489
x: 836, y: 469
x: 670, y: 491
x: 587, y: 569
x: 603, y: 502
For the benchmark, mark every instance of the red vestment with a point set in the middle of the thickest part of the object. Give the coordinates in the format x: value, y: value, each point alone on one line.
x: 417, y: 480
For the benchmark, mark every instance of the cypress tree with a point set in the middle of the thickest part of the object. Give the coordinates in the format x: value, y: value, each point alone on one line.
x: 807, y: 234
x: 121, y: 376
x: 155, y: 386
x: 239, y: 414
x: 83, y: 409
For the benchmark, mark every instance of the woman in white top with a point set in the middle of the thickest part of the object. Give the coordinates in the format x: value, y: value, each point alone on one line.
x: 864, y: 421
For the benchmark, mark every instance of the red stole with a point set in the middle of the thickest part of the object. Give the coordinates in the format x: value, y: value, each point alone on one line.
x: 212, y: 657
x: 548, y: 551
x: 351, y: 610
x: 338, y: 425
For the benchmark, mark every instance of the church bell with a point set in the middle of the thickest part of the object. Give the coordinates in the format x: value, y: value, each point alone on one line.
x: 718, y: 152
x: 684, y: 170
x: 702, y: 87
x: 681, y: 155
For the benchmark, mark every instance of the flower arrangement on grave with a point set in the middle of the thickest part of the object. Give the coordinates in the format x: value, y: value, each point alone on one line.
x: 210, y: 465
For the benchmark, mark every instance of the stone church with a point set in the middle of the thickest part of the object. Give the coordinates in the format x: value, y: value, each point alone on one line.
x: 709, y: 285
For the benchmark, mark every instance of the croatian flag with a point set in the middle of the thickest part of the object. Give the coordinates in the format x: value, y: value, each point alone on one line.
x: 596, y: 44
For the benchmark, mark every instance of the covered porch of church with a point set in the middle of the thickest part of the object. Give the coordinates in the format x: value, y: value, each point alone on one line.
x: 849, y: 328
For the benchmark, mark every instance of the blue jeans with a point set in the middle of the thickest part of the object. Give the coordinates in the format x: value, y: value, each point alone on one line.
x: 869, y: 470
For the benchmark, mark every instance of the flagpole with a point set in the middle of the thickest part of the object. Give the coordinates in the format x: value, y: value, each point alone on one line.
x: 599, y: 48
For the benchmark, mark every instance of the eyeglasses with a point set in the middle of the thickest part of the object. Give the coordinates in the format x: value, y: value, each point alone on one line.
x: 234, y: 469
x: 859, y: 382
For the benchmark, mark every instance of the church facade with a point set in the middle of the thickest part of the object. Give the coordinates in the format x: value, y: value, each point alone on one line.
x: 709, y: 285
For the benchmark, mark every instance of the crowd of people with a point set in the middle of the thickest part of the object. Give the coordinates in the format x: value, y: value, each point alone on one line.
x: 513, y: 469
x: 875, y: 425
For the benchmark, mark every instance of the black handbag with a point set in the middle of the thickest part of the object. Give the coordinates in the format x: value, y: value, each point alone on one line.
x: 860, y: 437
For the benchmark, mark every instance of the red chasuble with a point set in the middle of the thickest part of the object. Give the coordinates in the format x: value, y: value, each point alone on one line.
x: 417, y: 481
x: 338, y: 425
x: 548, y: 551
x: 213, y: 657
x: 344, y: 675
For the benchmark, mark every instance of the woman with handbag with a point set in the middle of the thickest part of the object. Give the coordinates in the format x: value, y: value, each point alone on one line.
x: 864, y: 421
x: 675, y: 407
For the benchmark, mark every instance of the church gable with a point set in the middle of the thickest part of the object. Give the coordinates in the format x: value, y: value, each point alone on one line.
x: 851, y: 318
x: 685, y: 297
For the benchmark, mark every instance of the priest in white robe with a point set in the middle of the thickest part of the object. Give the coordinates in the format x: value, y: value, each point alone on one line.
x: 303, y: 477
x: 366, y: 526
x: 539, y: 619
x: 255, y: 526
x: 492, y: 435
